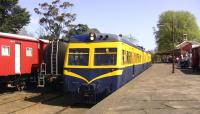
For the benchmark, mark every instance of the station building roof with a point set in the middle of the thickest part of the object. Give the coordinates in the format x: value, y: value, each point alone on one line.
x: 188, y: 45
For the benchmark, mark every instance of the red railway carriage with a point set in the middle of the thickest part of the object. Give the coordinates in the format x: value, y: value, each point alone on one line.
x: 196, y: 57
x: 19, y: 56
x: 43, y: 44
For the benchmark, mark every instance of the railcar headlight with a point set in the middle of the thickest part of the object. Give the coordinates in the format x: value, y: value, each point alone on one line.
x: 92, y: 36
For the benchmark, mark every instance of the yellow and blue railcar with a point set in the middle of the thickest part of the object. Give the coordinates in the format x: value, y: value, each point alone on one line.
x: 102, y: 63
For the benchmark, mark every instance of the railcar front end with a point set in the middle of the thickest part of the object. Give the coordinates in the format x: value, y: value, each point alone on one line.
x: 92, y: 68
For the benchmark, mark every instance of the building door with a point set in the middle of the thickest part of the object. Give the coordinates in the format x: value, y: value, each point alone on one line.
x: 17, y: 58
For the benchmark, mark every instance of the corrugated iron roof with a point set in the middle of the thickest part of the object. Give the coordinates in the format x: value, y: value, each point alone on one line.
x: 193, y: 43
x: 43, y: 40
x: 9, y: 35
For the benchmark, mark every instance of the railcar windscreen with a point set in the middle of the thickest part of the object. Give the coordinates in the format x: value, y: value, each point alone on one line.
x: 78, y: 56
x: 105, y: 56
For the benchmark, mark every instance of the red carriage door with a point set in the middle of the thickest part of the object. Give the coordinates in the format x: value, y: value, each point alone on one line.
x: 17, y: 59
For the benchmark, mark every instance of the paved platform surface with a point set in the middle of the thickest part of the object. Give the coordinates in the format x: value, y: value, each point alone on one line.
x: 156, y: 91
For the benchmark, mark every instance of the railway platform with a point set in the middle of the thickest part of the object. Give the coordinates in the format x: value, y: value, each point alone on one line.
x: 155, y: 91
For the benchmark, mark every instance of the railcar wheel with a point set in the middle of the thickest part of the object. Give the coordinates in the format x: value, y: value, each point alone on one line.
x: 20, y: 86
x: 3, y: 86
x: 23, y: 85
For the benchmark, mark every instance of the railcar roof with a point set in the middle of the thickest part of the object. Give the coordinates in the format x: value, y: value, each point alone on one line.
x: 103, y: 37
x: 9, y: 35
x: 44, y: 40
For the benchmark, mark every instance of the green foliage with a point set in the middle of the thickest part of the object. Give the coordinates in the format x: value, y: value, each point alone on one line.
x: 12, y: 16
x: 24, y: 32
x: 131, y: 38
x: 81, y: 29
x: 93, y: 30
x: 78, y: 29
x: 184, y: 23
x: 55, y: 18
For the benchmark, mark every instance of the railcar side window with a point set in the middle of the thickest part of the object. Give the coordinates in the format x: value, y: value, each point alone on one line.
x: 29, y: 51
x: 127, y: 57
x: 5, y: 51
x: 137, y: 58
x: 105, y: 56
x: 78, y: 56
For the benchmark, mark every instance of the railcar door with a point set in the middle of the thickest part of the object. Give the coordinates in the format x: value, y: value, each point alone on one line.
x: 17, y: 58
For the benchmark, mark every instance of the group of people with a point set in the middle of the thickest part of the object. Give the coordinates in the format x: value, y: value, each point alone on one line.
x: 185, y: 60
x: 166, y: 59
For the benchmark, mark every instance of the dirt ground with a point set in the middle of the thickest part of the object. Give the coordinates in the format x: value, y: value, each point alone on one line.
x: 156, y: 91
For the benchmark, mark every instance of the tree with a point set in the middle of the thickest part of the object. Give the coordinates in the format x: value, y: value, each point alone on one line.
x: 12, y: 16
x: 78, y: 29
x: 184, y: 24
x: 24, y: 32
x: 93, y: 30
x: 55, y: 18
x: 131, y: 38
x: 81, y: 29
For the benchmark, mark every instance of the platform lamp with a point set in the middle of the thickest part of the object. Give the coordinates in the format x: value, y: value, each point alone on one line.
x: 173, y: 40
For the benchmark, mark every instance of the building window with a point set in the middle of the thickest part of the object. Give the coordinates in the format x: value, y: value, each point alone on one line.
x: 29, y: 51
x: 5, y: 51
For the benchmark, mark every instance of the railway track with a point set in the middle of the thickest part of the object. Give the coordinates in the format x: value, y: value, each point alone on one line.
x: 7, y: 93
x: 16, y: 96
x: 62, y: 110
x: 74, y: 108
x: 15, y: 105
x: 33, y: 103
x: 40, y: 102
x: 59, y: 100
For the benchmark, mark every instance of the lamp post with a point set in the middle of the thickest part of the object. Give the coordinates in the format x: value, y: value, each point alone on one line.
x: 173, y: 41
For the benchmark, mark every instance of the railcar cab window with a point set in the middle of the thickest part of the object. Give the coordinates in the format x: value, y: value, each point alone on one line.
x: 78, y: 56
x: 105, y: 56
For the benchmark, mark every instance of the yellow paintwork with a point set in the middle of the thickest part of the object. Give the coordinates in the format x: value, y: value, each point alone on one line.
x: 119, y: 45
x: 138, y: 57
x: 91, y: 47
x: 109, y: 74
x: 68, y: 73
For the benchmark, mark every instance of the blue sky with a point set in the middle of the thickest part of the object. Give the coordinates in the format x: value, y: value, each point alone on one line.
x: 136, y: 17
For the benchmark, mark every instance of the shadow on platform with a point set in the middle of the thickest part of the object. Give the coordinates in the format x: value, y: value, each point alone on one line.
x: 7, y: 90
x: 59, y: 99
x: 190, y: 71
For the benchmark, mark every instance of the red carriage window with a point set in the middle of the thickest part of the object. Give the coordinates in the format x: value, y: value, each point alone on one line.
x: 29, y: 51
x: 5, y: 51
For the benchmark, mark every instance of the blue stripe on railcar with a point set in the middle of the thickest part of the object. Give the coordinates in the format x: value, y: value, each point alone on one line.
x: 73, y: 84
